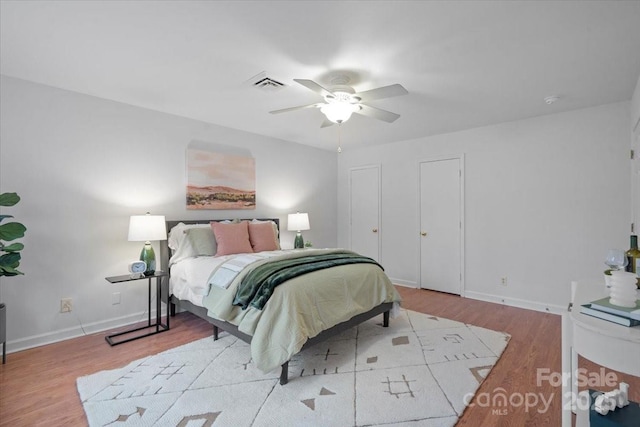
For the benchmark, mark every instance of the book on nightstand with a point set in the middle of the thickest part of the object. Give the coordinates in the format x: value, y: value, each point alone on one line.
x: 625, y: 321
x: 603, y: 304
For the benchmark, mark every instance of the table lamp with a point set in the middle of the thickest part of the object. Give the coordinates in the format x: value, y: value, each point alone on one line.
x: 298, y: 222
x: 145, y: 228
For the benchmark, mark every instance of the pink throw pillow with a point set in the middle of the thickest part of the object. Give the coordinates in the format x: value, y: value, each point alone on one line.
x: 231, y: 238
x: 262, y: 236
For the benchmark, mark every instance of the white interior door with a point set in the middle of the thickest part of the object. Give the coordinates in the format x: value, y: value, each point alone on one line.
x: 441, y: 225
x: 365, y: 211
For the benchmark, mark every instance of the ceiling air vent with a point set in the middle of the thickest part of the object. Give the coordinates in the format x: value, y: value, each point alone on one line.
x: 263, y: 82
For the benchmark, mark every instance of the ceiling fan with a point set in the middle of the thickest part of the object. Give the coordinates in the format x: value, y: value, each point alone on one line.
x: 341, y: 100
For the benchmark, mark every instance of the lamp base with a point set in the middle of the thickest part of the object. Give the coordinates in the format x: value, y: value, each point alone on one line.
x: 149, y: 256
x: 298, y: 243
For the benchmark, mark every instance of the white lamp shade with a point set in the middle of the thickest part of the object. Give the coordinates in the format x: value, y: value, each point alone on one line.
x: 338, y: 112
x: 298, y: 222
x: 143, y: 228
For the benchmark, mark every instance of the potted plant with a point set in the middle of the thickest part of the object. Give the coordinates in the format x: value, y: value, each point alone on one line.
x: 9, y: 256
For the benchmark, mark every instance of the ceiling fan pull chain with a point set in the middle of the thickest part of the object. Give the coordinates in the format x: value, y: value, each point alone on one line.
x: 339, y: 139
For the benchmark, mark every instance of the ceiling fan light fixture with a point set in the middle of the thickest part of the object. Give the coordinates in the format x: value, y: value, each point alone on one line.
x: 339, y: 111
x: 341, y: 101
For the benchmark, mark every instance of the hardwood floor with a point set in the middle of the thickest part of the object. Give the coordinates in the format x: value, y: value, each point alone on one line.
x: 535, y: 344
x: 38, y: 386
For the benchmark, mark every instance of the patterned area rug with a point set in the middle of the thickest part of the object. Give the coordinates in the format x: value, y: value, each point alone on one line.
x: 421, y: 370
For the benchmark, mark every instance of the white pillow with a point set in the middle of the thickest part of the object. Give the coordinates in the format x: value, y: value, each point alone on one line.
x: 187, y: 244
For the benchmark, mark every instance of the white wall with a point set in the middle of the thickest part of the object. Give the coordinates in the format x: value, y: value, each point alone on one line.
x: 635, y: 108
x: 635, y: 145
x: 83, y: 165
x: 544, y: 199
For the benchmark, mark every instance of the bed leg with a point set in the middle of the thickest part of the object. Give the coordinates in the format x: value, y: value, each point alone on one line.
x: 215, y: 333
x: 385, y: 319
x: 172, y: 309
x: 284, y: 373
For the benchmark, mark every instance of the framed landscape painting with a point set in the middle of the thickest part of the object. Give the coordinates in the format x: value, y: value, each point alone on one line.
x: 220, y: 181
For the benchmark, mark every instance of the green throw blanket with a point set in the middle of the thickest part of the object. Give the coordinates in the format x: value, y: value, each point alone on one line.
x: 258, y: 285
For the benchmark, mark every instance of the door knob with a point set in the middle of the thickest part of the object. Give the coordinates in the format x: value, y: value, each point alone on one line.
x: 375, y: 230
x: 423, y: 234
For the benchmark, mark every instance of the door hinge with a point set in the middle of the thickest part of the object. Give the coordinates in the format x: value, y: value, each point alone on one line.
x: 633, y: 226
x: 633, y: 154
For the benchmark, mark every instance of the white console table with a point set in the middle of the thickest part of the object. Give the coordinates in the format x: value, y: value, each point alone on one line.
x: 607, y: 344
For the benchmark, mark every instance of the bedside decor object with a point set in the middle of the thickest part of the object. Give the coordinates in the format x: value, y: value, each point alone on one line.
x: 616, y: 259
x: 603, y: 304
x: 626, y: 415
x: 137, y: 267
x: 633, y: 255
x: 613, y: 399
x: 298, y: 222
x: 145, y: 228
x: 607, y: 278
x: 623, y: 288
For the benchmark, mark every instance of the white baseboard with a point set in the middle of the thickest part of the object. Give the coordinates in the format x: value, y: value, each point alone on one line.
x: 498, y: 299
x: 516, y: 302
x: 401, y: 282
x: 77, y: 331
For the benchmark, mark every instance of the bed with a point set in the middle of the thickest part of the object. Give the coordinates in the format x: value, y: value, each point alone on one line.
x: 214, y: 267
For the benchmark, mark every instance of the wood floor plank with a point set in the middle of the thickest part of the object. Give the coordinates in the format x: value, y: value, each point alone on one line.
x: 38, y: 386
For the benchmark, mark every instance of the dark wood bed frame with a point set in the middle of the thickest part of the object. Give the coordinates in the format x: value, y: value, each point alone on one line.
x: 176, y: 303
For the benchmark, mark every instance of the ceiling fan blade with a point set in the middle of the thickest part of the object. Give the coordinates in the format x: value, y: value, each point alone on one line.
x: 310, y: 84
x: 301, y: 107
x: 382, y: 92
x: 326, y: 123
x: 377, y: 113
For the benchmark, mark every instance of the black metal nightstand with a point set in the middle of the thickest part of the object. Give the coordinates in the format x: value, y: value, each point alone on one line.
x: 158, y: 325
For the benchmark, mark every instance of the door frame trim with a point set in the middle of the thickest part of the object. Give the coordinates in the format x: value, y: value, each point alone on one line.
x: 461, y: 159
x: 635, y: 180
x: 378, y: 167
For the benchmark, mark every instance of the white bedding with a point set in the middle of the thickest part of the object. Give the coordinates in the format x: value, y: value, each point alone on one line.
x: 299, y: 308
x: 190, y: 276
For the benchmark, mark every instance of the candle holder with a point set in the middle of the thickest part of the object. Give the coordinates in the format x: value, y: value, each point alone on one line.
x: 623, y: 289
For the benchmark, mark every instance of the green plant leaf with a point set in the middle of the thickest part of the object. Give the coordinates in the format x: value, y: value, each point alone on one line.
x: 14, y: 247
x: 9, y: 271
x: 9, y: 199
x: 5, y: 216
x: 10, y: 260
x: 12, y: 231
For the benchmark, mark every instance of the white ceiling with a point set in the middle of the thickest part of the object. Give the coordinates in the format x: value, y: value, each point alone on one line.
x: 465, y: 64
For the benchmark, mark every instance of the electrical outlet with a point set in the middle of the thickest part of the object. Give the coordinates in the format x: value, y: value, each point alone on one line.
x: 66, y: 304
x: 503, y: 281
x: 115, y: 298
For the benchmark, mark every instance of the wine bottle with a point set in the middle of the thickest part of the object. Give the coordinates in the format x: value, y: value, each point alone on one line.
x: 633, y: 256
